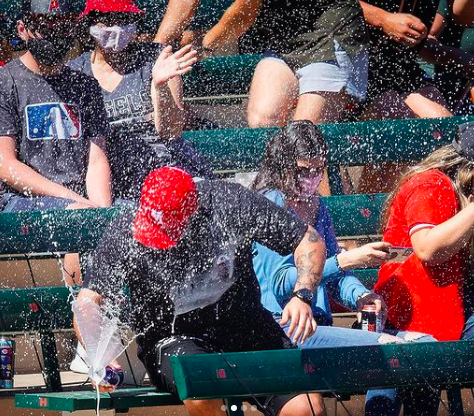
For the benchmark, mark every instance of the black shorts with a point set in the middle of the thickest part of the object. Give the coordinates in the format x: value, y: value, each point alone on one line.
x: 257, y: 334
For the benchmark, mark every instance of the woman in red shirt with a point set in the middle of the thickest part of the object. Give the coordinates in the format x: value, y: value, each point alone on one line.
x: 432, y: 211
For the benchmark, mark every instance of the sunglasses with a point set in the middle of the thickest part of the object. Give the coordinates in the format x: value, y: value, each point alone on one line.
x: 307, y: 172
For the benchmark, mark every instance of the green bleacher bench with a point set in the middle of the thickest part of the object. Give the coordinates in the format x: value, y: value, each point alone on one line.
x: 325, y: 370
x: 224, y: 77
x: 330, y: 371
x: 350, y: 144
x: 121, y: 400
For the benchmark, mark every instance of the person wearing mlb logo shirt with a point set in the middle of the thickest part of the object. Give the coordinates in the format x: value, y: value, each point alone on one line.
x: 52, y: 123
x: 52, y: 120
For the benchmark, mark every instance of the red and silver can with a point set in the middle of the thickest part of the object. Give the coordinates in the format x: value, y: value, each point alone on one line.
x: 370, y: 321
x: 7, y: 363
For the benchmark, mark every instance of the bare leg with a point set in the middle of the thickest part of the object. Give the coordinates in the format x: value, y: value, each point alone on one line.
x: 205, y: 407
x: 321, y: 107
x: 425, y: 103
x: 273, y: 94
x: 299, y: 406
x: 428, y: 103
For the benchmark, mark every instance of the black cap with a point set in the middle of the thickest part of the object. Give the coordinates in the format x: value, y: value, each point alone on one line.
x: 47, y: 6
x: 463, y: 143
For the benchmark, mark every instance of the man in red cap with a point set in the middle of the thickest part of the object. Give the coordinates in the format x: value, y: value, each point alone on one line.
x: 186, y: 257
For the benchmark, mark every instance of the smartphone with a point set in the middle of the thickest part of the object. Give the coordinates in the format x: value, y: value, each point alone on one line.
x: 399, y: 254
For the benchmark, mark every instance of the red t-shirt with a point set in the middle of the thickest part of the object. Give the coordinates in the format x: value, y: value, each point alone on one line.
x: 420, y: 297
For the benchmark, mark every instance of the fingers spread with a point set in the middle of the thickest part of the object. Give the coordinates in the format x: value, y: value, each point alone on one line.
x: 181, y: 52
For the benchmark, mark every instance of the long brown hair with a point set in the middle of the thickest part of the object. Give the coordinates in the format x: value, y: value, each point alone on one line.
x: 300, y: 139
x: 445, y: 159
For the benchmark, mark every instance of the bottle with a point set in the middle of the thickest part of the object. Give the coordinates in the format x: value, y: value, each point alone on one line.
x: 7, y: 362
x: 113, y: 376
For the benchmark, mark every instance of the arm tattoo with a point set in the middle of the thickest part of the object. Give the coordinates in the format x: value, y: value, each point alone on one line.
x: 308, y: 274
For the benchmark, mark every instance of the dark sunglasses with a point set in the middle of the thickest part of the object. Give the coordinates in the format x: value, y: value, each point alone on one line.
x: 307, y: 172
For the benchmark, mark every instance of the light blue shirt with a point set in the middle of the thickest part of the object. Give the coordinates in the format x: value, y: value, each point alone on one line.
x: 277, y: 274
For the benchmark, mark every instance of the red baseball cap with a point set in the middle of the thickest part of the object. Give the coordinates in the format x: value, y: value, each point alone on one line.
x: 169, y: 198
x: 107, y: 6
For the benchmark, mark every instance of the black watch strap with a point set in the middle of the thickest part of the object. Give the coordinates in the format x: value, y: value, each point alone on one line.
x: 305, y: 295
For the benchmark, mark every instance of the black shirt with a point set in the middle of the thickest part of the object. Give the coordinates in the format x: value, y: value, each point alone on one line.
x: 303, y: 30
x: 392, y: 66
x: 134, y: 147
x: 150, y: 274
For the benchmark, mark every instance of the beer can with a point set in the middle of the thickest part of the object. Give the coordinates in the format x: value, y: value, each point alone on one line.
x: 7, y: 362
x: 370, y: 321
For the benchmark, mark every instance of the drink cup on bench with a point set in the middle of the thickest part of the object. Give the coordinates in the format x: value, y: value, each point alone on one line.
x: 7, y: 363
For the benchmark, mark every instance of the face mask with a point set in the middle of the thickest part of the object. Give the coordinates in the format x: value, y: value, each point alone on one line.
x: 114, y: 38
x: 49, y: 52
x: 309, y: 186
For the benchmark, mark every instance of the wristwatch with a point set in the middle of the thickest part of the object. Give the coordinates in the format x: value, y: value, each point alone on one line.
x: 305, y: 295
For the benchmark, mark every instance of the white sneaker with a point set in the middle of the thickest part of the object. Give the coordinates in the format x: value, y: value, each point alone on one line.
x: 78, y: 365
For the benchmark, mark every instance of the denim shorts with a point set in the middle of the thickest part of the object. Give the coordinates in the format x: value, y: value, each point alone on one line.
x: 15, y: 203
x: 344, y: 73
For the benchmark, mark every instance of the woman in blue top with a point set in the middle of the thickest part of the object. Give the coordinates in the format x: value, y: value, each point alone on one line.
x: 290, y: 175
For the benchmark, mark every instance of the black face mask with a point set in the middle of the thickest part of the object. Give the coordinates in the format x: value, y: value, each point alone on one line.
x: 49, y: 52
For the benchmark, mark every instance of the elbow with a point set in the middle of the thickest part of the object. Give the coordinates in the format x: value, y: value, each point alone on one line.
x: 431, y: 257
x: 464, y: 19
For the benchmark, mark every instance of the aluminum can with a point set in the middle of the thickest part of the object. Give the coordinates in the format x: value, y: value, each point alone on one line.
x: 7, y: 362
x: 113, y: 376
x: 370, y: 321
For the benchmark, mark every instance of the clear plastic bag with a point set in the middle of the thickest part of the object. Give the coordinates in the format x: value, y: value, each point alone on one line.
x: 103, y: 335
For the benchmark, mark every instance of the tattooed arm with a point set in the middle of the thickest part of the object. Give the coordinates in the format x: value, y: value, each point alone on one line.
x: 310, y: 256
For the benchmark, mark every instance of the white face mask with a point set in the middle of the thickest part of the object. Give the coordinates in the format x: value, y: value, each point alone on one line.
x: 309, y: 186
x: 113, y: 38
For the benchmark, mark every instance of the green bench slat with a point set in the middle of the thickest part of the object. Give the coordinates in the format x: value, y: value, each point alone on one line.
x: 87, y: 400
x: 356, y: 215
x: 368, y: 277
x: 324, y: 369
x: 53, y: 231
x: 350, y: 144
x: 35, y: 309
x: 219, y: 76
x: 80, y: 230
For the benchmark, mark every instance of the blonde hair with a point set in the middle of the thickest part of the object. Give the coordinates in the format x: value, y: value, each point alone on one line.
x: 459, y: 170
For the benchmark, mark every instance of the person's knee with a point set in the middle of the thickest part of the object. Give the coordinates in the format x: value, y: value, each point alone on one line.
x: 205, y: 407
x: 257, y: 119
x: 300, y: 406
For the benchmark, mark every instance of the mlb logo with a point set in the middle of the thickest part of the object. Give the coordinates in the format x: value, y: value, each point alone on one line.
x: 53, y: 121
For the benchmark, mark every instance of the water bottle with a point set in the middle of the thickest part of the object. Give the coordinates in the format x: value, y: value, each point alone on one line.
x: 113, y: 376
x: 7, y: 362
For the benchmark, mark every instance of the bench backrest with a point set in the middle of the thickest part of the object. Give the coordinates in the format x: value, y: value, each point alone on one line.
x: 350, y: 144
x: 343, y: 369
x: 52, y: 232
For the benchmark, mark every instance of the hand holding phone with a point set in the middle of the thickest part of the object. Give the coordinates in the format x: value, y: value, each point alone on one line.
x: 399, y: 254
